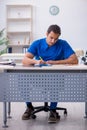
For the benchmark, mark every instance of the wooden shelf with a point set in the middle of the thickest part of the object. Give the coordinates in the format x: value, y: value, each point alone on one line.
x: 15, y: 45
x: 18, y: 19
x: 16, y: 32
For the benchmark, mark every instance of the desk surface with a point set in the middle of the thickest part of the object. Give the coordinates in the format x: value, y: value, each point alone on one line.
x: 53, y: 67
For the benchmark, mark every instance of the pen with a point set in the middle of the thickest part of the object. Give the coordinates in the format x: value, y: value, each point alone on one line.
x: 40, y: 58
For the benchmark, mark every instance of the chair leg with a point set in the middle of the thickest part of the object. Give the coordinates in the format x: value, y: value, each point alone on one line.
x: 61, y: 108
x: 38, y: 110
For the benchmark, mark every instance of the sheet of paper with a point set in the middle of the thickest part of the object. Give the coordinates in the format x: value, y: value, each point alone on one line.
x: 41, y: 65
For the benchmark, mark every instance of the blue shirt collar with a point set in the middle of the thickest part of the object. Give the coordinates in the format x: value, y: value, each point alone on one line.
x: 45, y: 44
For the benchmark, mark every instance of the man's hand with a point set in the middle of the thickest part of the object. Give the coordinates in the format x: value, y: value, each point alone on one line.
x: 50, y: 62
x: 41, y: 62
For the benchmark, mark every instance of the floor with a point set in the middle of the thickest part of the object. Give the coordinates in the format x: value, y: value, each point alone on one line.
x: 74, y: 120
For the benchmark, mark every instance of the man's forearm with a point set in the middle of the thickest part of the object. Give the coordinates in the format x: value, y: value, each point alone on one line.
x: 71, y: 60
x: 63, y: 62
x: 28, y: 61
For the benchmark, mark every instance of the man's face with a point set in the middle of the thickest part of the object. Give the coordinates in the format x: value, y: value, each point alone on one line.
x: 52, y: 38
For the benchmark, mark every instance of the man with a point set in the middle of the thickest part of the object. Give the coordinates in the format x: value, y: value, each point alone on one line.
x: 50, y: 50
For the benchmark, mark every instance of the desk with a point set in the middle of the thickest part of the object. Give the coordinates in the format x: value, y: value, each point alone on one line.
x: 57, y: 83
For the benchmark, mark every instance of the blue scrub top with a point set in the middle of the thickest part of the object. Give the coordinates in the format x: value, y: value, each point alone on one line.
x: 59, y: 51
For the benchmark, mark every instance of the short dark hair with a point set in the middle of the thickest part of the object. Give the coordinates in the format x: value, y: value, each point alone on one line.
x: 55, y: 28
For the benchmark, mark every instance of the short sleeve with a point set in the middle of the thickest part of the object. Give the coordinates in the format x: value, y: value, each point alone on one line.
x: 67, y: 49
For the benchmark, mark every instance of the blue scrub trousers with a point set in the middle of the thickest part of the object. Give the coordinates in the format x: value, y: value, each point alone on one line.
x: 53, y: 105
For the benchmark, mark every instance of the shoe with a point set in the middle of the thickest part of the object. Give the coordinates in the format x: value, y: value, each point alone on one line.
x: 53, y: 117
x: 27, y: 113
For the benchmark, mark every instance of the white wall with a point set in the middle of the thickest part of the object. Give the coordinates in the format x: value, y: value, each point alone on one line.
x: 72, y: 19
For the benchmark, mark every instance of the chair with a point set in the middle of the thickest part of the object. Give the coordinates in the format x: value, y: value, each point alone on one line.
x: 46, y: 108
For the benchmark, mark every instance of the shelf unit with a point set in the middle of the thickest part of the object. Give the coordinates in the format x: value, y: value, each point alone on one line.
x: 19, y: 24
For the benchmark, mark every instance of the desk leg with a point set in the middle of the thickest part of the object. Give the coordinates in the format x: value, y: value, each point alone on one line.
x: 85, y: 109
x: 9, y: 109
x: 5, y: 114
